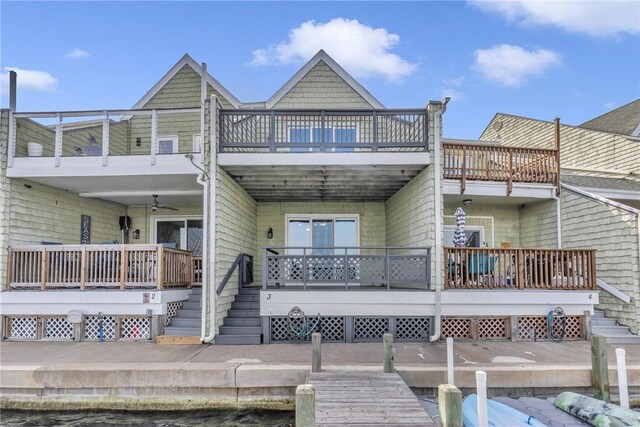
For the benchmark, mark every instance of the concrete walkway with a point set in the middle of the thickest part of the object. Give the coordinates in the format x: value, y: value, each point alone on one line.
x: 132, y: 375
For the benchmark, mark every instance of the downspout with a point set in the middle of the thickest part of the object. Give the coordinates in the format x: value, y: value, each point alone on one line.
x: 205, y: 251
x: 438, y: 218
x: 213, y: 168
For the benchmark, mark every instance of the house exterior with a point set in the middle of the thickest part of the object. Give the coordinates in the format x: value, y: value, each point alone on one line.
x: 600, y: 198
x: 317, y: 209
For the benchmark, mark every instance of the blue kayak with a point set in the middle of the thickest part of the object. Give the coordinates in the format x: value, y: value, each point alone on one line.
x: 499, y: 415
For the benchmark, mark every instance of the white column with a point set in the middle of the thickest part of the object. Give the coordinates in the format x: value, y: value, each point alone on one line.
x: 623, y: 389
x: 12, y: 139
x: 450, y: 379
x: 481, y: 385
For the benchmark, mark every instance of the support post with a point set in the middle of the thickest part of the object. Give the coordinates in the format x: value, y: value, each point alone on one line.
x: 272, y: 132
x: 58, y: 141
x: 374, y: 146
x: 600, y: 368
x: 463, y: 178
x: 13, y: 87
x: 450, y: 379
x: 105, y: 138
x: 481, y: 386
x: 154, y: 136
x: 387, y: 340
x: 11, y: 152
x: 316, y: 344
x: 510, y: 179
x: 623, y: 389
x: 306, y: 406
x: 557, y: 134
x: 450, y: 405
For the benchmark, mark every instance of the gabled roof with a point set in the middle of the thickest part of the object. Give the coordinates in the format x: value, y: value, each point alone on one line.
x: 602, y: 183
x: 186, y: 60
x: 324, y: 57
x: 624, y: 120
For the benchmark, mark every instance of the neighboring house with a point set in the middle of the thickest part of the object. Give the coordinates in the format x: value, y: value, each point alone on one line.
x: 320, y: 196
x: 600, y: 198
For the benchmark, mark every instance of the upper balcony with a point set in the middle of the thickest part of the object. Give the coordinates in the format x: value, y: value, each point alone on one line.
x: 323, y: 137
x: 102, y: 151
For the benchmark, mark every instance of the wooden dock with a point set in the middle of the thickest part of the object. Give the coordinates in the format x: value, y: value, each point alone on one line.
x: 365, y: 398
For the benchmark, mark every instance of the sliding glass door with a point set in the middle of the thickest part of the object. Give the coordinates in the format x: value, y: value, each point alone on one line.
x: 322, y: 233
x: 179, y: 233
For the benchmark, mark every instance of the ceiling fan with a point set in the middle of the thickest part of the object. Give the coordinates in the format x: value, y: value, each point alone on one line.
x: 155, y: 206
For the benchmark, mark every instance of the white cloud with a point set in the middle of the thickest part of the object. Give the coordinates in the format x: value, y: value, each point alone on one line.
x: 77, y: 54
x: 594, y: 17
x: 455, y: 81
x: 454, y: 94
x: 511, y: 65
x: 610, y: 105
x: 29, y: 80
x: 362, y: 50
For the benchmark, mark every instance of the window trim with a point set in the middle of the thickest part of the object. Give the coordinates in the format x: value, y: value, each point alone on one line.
x: 154, y: 219
x: 196, y: 146
x: 479, y: 228
x: 311, y: 217
x: 175, y: 140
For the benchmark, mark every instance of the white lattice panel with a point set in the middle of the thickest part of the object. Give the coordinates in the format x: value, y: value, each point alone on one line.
x: 135, y: 328
x: 370, y: 328
x: 532, y: 328
x: 172, y: 310
x: 92, y: 328
x: 493, y: 328
x: 332, y: 329
x: 57, y: 328
x: 412, y: 328
x: 24, y: 327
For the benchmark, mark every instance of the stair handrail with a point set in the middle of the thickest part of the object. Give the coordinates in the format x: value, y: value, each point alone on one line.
x: 247, y: 261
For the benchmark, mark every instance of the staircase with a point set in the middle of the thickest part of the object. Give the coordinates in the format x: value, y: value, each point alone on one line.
x: 187, y: 321
x: 609, y: 328
x: 242, y: 324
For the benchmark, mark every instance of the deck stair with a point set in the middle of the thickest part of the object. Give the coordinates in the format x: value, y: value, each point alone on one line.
x: 611, y: 330
x: 365, y: 397
x: 188, y: 321
x: 242, y: 324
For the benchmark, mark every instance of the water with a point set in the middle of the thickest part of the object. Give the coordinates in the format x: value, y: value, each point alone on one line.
x: 222, y: 418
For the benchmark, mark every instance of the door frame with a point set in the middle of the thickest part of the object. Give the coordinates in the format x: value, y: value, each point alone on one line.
x: 154, y: 219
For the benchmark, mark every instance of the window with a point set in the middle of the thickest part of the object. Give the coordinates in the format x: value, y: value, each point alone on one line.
x: 197, y: 144
x: 167, y: 144
x: 474, y: 236
x: 178, y: 232
x: 322, y: 232
x: 332, y: 136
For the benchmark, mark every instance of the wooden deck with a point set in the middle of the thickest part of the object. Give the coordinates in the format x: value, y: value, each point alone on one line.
x: 365, y: 398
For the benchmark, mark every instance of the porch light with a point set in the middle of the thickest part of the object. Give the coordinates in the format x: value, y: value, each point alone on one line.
x: 467, y: 202
x: 270, y: 233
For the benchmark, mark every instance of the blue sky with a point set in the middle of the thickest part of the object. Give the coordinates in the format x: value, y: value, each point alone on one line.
x: 575, y: 60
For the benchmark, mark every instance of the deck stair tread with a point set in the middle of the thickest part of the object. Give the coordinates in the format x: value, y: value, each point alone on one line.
x: 367, y: 398
x: 608, y: 327
x: 243, y: 324
x: 187, y: 320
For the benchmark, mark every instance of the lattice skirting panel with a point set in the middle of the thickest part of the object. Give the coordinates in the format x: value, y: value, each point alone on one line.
x: 351, y: 329
x: 172, y: 310
x: 535, y: 328
x: 93, y: 328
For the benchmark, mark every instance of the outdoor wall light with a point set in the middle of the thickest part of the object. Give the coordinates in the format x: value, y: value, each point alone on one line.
x: 270, y: 233
x: 136, y: 234
x: 467, y: 202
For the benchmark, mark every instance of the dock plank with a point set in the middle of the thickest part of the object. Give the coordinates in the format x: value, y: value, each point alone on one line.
x: 365, y: 398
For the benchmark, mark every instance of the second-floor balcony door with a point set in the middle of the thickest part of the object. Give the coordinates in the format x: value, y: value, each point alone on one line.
x: 333, y: 137
x: 323, y: 233
x: 180, y: 233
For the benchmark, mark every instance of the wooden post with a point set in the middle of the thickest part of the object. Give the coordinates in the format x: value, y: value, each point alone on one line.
x: 600, y: 368
x: 510, y: 179
x: 316, y: 343
x: 43, y: 269
x: 520, y: 260
x: 83, y: 268
x: 123, y: 267
x: 306, y: 406
x: 557, y: 128
x: 450, y: 405
x: 387, y: 340
x: 160, y: 267
x: 463, y: 179
x: 10, y: 271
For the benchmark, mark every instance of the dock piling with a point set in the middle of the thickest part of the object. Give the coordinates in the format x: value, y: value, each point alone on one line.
x: 623, y: 389
x: 600, y: 368
x: 306, y: 406
x: 481, y: 385
x: 387, y: 340
x: 450, y: 405
x: 316, y: 344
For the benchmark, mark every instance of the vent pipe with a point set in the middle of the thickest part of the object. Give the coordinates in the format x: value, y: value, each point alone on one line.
x: 13, y: 79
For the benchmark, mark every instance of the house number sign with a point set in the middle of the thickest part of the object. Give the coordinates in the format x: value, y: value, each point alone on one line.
x: 85, y: 230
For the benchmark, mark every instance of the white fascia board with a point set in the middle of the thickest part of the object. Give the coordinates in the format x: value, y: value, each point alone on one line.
x: 613, y: 194
x: 43, y: 167
x: 613, y: 291
x: 106, y: 194
x: 323, y: 159
x: 323, y: 56
x: 87, y: 302
x: 185, y: 60
x: 492, y: 188
x: 597, y: 198
x: 422, y: 303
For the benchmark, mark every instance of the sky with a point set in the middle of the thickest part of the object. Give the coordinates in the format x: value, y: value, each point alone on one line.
x: 534, y: 58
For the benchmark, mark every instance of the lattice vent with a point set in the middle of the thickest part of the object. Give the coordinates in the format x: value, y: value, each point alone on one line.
x: 532, y: 328
x: 332, y: 329
x: 574, y: 329
x: 136, y: 328
x: 456, y: 328
x: 413, y: 328
x: 92, y: 328
x: 370, y: 328
x: 172, y: 310
x: 58, y: 328
x: 493, y: 328
x: 24, y: 327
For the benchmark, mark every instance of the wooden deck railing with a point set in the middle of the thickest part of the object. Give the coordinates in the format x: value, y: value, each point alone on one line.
x: 99, y: 266
x: 488, y: 268
x: 197, y: 270
x: 495, y: 163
